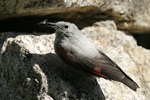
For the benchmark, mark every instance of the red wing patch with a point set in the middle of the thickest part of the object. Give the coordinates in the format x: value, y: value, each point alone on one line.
x: 66, y: 56
x: 97, y: 71
x: 73, y: 61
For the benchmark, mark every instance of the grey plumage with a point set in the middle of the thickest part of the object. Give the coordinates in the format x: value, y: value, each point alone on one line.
x: 77, y: 51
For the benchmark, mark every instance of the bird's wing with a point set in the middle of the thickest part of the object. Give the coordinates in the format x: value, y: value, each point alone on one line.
x: 103, y: 66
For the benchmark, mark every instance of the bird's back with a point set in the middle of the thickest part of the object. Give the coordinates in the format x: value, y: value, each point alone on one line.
x: 79, y: 46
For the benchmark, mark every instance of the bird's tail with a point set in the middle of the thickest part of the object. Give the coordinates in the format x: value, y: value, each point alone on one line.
x: 130, y: 83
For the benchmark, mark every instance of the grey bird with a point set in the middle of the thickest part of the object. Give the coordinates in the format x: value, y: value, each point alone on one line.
x: 76, y: 50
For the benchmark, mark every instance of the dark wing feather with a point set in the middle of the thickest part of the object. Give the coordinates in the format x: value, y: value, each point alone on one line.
x: 103, y: 67
x: 115, y: 67
x: 126, y: 80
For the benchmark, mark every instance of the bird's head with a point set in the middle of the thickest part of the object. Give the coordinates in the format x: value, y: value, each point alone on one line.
x: 61, y: 27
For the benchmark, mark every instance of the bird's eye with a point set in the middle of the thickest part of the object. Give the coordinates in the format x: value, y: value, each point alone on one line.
x: 66, y: 26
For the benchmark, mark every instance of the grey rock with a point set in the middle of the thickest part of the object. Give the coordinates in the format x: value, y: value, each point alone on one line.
x: 129, y: 15
x: 31, y: 70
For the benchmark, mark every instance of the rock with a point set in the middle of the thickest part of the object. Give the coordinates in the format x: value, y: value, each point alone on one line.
x: 31, y: 70
x: 132, y: 16
x: 21, y: 77
x: 123, y: 49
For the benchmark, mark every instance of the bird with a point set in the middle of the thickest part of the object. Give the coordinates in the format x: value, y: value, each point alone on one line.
x: 73, y: 48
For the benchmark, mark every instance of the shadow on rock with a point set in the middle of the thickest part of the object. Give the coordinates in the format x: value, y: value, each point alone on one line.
x: 64, y: 82
x: 31, y: 75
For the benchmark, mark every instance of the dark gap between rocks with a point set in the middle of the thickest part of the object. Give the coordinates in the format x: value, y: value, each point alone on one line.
x: 143, y: 40
x: 29, y: 24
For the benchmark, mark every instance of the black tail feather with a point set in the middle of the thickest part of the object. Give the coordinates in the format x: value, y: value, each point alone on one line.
x: 130, y: 83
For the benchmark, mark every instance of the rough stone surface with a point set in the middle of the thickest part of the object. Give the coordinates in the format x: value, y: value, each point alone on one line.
x: 133, y: 59
x: 130, y: 15
x: 30, y: 67
x: 31, y: 70
x: 21, y: 77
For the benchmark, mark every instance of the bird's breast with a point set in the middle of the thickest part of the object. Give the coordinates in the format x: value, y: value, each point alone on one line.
x: 79, y: 48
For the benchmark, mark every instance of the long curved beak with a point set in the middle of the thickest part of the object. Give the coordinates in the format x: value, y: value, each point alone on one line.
x: 48, y: 24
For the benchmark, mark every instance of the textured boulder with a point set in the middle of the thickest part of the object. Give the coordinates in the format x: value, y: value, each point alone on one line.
x: 31, y: 70
x: 129, y: 15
